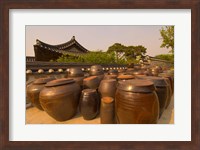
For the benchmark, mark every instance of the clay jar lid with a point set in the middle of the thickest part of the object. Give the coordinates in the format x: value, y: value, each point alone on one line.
x: 43, y: 80
x: 90, y: 78
x: 137, y: 86
x: 158, y: 81
x: 58, y: 82
x: 125, y: 77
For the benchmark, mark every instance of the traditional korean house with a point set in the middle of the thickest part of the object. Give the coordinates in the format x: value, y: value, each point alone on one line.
x: 47, y: 52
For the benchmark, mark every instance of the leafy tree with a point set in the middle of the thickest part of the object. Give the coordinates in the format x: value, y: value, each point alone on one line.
x: 167, y: 35
x: 118, y: 49
x: 134, y: 51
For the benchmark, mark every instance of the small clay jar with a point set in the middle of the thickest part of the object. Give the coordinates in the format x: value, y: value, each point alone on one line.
x: 60, y: 98
x: 75, y: 72
x: 107, y: 88
x: 91, y: 82
x: 125, y: 77
x: 89, y: 104
x: 33, y: 90
x: 107, y: 113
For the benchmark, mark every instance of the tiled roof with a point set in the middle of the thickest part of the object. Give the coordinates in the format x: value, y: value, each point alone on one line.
x: 61, y: 48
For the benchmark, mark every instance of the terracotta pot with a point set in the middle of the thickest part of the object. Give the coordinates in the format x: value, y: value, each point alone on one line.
x: 96, y: 70
x: 162, y: 90
x: 125, y: 77
x: 107, y: 88
x: 107, y: 114
x: 75, y: 72
x: 60, y: 98
x: 107, y: 77
x: 89, y: 104
x: 91, y: 82
x: 136, y: 102
x: 33, y: 90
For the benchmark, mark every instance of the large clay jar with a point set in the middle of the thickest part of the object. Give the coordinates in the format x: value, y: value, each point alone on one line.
x: 136, y: 102
x: 33, y: 90
x: 107, y: 114
x: 107, y: 88
x: 91, y: 83
x: 89, y: 104
x: 162, y: 90
x: 60, y: 98
x: 75, y: 72
x: 125, y: 77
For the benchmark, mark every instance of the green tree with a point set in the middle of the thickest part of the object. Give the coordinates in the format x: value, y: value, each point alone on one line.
x: 134, y: 51
x: 118, y: 49
x: 167, y: 35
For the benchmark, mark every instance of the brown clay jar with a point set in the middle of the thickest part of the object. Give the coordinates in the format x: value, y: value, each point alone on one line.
x: 170, y: 77
x: 60, y: 98
x: 136, y: 102
x: 91, y: 82
x: 33, y: 90
x: 107, y: 88
x: 162, y: 90
x: 75, y: 72
x: 89, y: 104
x: 96, y: 70
x: 169, y: 93
x: 107, y: 114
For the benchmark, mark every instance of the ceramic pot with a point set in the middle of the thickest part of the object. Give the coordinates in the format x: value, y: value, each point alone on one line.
x: 107, y: 114
x: 89, y: 104
x: 60, y: 98
x: 107, y: 88
x: 91, y: 82
x: 136, y: 102
x: 75, y: 72
x: 162, y: 90
x: 96, y: 70
x: 33, y: 90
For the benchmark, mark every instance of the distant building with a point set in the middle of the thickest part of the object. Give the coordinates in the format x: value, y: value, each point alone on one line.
x: 47, y: 52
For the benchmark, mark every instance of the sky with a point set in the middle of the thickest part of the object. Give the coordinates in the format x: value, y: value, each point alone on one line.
x: 97, y: 37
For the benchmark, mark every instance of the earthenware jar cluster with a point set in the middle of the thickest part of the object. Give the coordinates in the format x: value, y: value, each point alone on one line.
x: 138, y: 95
